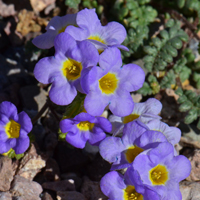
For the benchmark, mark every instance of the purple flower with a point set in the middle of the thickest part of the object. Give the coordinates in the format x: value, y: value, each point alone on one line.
x: 83, y: 128
x: 65, y: 68
x: 117, y: 187
x: 55, y: 26
x: 136, y: 139
x: 162, y: 171
x: 89, y: 27
x: 14, y: 129
x: 111, y: 84
x: 172, y: 134
x: 143, y: 112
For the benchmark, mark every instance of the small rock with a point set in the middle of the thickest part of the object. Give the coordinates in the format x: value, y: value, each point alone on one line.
x: 39, y: 5
x: 6, y: 173
x: 70, y: 195
x: 136, y: 97
x: 190, y: 191
x: 6, y: 10
x: 47, y: 196
x: 91, y: 190
x: 31, y: 164
x: 24, y: 189
x: 195, y: 162
x: 52, y: 171
x: 77, y: 180
x: 5, y: 196
x: 65, y: 185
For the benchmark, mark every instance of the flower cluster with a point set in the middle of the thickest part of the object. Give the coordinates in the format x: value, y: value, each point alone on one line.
x: 87, y: 60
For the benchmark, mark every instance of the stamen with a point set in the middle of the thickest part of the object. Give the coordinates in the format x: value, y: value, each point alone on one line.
x: 131, y: 194
x: 85, y: 126
x: 108, y: 83
x: 159, y: 175
x: 12, y: 129
x: 71, y: 69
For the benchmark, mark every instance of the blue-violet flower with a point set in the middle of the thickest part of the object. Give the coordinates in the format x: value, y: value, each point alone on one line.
x: 65, y: 68
x: 111, y: 84
x: 84, y: 127
x: 14, y: 129
x: 55, y: 26
x: 162, y: 171
x: 136, y: 139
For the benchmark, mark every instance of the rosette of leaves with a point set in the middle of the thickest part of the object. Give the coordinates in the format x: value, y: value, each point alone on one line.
x: 164, y: 48
x: 190, y: 102
x: 135, y: 16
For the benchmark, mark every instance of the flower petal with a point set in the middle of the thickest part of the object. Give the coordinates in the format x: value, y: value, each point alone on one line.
x: 25, y: 121
x: 9, y: 110
x: 112, y: 185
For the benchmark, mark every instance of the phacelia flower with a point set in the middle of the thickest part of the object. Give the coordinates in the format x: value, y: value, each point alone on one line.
x: 111, y: 84
x: 143, y: 112
x: 89, y: 27
x: 55, y: 26
x: 14, y: 129
x: 172, y: 134
x: 136, y: 139
x: 163, y: 171
x: 65, y: 68
x: 83, y: 128
x: 119, y: 187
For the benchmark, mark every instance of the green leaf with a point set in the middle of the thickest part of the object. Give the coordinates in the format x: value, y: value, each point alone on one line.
x: 187, y: 105
x: 150, y: 50
x: 164, y: 34
x: 179, y: 92
x: 171, y: 50
x: 166, y: 57
x: 192, y: 115
x: 185, y: 73
x: 176, y: 43
x: 180, y: 3
x: 173, y: 31
x: 169, y: 23
x: 182, y: 99
x: 147, y: 59
x: 145, y: 90
x: 72, y: 4
x: 157, y: 42
x: 18, y: 156
x: 189, y: 119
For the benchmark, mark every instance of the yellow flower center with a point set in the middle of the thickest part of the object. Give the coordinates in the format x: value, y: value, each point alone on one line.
x: 108, y: 83
x: 12, y: 129
x: 71, y: 69
x: 131, y: 194
x: 132, y: 152
x: 85, y: 126
x: 62, y: 29
x: 158, y: 175
x: 130, y: 118
x: 97, y: 38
